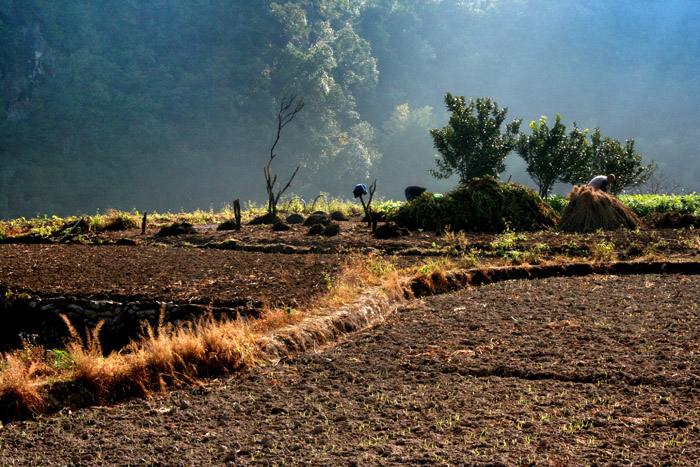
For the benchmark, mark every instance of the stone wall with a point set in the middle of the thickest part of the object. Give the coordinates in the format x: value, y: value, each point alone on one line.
x: 39, y: 318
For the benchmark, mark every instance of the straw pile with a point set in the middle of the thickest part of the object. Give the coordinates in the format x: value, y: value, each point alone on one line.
x: 591, y: 209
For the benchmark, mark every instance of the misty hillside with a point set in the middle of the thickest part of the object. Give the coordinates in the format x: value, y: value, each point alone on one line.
x: 172, y: 105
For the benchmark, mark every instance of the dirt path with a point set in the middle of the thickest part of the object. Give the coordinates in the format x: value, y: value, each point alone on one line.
x: 601, y: 370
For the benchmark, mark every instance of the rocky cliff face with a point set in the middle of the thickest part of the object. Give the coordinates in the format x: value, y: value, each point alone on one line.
x: 31, y: 64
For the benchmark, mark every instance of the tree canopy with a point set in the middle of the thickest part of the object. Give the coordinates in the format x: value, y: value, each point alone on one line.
x: 472, y: 143
x: 605, y: 155
x: 550, y: 153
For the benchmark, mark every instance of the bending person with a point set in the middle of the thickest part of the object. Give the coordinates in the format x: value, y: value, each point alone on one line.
x: 601, y: 182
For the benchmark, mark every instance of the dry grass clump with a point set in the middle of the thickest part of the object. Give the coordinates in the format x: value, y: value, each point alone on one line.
x: 590, y: 209
x: 170, y: 355
x: 164, y: 356
x: 361, y: 270
x: 21, y: 379
x: 117, y: 220
x: 90, y: 369
x: 204, y: 348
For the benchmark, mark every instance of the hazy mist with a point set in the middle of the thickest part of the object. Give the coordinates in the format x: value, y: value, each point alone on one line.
x: 167, y: 106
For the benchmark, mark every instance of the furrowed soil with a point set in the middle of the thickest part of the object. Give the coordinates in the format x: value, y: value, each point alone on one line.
x: 593, y: 370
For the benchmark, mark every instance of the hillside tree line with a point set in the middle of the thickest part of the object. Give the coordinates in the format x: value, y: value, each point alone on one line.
x: 172, y: 105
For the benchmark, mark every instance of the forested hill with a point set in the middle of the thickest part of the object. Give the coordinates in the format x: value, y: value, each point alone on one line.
x: 168, y: 105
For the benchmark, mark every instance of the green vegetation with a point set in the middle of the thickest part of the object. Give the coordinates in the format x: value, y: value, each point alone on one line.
x: 550, y: 153
x: 604, y: 251
x: 608, y: 156
x: 647, y: 204
x: 520, y: 211
x: 472, y: 145
x: 484, y: 205
x: 557, y: 202
x: 423, y: 213
x: 552, y: 156
x: 157, y: 107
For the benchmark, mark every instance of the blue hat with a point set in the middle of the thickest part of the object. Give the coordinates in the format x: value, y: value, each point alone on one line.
x: 359, y: 190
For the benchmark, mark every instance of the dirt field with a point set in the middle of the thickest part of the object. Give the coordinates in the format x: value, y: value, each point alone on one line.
x: 595, y: 370
x: 100, y: 265
x: 197, y: 275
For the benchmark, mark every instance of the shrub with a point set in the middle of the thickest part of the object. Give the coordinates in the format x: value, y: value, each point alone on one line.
x: 524, y: 210
x: 557, y: 202
x: 425, y: 212
x: 484, y: 205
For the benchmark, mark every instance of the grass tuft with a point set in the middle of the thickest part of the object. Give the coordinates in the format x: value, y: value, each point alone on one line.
x: 20, y: 383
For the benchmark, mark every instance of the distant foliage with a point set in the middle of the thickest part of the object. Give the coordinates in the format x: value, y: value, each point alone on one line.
x: 483, y: 205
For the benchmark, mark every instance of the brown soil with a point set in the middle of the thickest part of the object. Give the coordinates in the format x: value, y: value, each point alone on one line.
x: 195, y: 275
x: 592, y: 370
x: 154, y: 267
x: 562, y: 371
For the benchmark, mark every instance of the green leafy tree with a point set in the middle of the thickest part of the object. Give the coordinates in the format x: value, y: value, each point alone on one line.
x: 550, y: 152
x: 608, y: 156
x: 472, y: 144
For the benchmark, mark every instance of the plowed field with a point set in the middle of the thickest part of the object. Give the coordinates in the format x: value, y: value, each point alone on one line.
x: 595, y: 370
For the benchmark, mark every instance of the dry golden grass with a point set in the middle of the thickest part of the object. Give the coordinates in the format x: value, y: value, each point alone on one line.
x: 173, y: 355
x: 20, y: 382
x: 590, y: 209
x: 184, y: 353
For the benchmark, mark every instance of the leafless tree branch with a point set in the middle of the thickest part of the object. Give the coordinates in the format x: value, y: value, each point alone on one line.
x: 290, y: 106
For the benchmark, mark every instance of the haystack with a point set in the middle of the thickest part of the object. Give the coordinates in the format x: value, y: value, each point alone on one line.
x: 590, y: 209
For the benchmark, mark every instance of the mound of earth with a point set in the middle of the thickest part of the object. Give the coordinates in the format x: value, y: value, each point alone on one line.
x: 671, y: 220
x: 177, y: 228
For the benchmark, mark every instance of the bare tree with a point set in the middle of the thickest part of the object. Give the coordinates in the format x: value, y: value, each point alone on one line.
x: 367, y: 207
x: 290, y: 106
x: 660, y: 182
